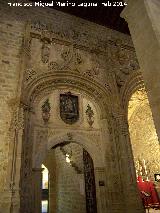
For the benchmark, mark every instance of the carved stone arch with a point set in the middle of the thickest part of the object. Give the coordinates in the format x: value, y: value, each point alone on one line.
x: 83, y: 141
x: 97, y: 160
x: 47, y: 82
x: 132, y: 84
x: 61, y: 89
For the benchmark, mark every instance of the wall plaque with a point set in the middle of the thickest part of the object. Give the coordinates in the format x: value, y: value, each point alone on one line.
x: 69, y: 108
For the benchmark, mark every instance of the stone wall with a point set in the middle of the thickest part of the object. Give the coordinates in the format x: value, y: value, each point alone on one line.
x: 11, y: 36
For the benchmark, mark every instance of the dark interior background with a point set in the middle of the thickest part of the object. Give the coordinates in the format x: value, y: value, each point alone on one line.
x: 106, y: 16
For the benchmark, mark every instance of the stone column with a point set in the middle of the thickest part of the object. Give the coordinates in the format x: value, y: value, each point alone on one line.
x: 131, y: 197
x: 143, y: 17
x: 37, y: 187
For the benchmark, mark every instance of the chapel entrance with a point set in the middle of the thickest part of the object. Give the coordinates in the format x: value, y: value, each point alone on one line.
x: 146, y: 151
x: 68, y: 181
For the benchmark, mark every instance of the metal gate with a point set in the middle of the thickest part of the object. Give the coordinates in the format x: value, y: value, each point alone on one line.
x: 90, y: 187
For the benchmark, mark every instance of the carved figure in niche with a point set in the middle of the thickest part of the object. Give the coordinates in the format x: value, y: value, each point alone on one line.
x: 45, y: 52
x: 69, y: 108
x: 90, y: 115
x: 46, y: 111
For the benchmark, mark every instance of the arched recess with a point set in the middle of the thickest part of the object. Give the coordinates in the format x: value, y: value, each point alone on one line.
x: 115, y: 135
x: 132, y: 84
x: 91, y: 148
x: 143, y: 135
x: 74, y: 181
x: 39, y: 88
x: 49, y: 81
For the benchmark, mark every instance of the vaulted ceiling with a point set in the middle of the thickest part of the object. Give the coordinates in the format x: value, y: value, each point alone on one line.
x: 108, y: 16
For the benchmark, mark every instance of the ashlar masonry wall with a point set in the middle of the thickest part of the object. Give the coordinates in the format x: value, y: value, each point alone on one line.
x: 11, y: 36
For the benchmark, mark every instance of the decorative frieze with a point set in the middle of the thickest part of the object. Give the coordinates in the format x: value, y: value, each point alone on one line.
x: 79, y: 36
x: 97, y: 59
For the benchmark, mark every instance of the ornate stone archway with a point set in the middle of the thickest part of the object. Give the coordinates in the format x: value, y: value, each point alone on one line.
x: 118, y: 149
x: 80, y: 139
x: 37, y: 89
x: 40, y: 78
x: 82, y: 56
x: 92, y: 150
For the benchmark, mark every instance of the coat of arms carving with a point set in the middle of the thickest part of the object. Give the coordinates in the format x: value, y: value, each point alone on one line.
x: 69, y: 108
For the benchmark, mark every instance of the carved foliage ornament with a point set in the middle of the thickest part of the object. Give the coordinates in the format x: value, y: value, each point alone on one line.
x: 90, y: 115
x: 46, y: 111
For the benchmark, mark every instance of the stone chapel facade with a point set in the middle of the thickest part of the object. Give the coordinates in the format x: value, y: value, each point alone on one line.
x: 46, y: 53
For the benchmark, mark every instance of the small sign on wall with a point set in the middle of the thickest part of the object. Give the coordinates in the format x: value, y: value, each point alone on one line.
x: 101, y: 183
x: 157, y: 177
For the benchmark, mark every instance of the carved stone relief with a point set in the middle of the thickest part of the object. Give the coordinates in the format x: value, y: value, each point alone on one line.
x: 124, y: 63
x: 45, y: 52
x: 62, y: 54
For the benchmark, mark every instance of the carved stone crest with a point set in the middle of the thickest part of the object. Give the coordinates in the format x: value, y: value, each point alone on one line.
x: 69, y: 108
x: 45, y: 52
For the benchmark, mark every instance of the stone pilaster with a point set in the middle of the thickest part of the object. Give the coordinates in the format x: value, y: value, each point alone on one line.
x: 113, y: 182
x: 131, y: 198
